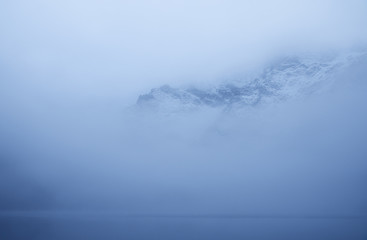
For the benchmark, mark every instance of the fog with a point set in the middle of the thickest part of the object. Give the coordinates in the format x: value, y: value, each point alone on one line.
x: 72, y: 141
x: 117, y: 49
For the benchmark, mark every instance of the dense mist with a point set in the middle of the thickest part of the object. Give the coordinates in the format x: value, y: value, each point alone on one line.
x: 75, y: 147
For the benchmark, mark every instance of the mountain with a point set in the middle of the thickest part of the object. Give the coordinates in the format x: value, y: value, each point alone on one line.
x: 287, y: 78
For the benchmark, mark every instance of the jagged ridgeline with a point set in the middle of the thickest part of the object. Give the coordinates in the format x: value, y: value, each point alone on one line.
x: 287, y: 78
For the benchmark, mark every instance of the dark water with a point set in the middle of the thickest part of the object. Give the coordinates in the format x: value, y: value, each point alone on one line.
x: 68, y: 226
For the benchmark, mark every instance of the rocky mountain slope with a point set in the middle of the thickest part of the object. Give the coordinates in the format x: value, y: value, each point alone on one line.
x: 290, y: 77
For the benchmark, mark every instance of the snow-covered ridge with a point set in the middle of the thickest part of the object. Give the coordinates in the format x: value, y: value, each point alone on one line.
x: 290, y: 77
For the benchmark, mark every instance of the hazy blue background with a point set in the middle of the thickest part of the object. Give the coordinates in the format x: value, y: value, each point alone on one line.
x: 69, y: 146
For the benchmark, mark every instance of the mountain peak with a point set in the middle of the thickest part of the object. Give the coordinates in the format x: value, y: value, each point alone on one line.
x: 289, y: 77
